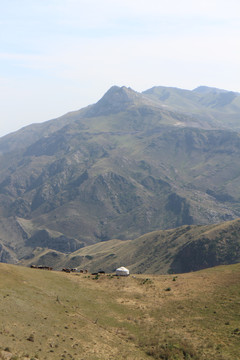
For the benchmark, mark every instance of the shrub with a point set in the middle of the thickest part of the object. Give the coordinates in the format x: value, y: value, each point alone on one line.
x: 167, y: 349
x: 170, y: 351
x: 148, y: 281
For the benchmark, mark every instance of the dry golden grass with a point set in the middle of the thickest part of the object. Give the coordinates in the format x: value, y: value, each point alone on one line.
x: 53, y: 315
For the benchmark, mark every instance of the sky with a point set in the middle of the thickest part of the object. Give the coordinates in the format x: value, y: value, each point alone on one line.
x: 58, y: 56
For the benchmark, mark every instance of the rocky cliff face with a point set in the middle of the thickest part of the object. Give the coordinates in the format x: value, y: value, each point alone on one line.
x: 6, y: 256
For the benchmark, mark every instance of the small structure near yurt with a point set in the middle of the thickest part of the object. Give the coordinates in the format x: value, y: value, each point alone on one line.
x: 122, y: 271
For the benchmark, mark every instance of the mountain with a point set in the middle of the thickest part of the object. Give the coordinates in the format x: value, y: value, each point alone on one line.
x: 210, y: 106
x: 119, y: 99
x: 130, y: 164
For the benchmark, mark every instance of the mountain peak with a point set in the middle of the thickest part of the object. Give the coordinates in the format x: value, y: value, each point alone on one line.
x: 115, y: 100
x: 120, y: 93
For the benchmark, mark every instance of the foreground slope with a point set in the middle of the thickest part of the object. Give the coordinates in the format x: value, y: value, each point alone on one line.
x: 48, y: 315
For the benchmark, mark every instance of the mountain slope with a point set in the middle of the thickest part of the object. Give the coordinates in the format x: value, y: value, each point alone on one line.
x: 54, y: 315
x: 119, y: 168
x: 185, y: 249
x: 210, y: 107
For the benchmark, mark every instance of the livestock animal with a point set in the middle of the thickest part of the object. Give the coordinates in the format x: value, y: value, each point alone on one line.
x: 83, y: 271
x: 41, y: 267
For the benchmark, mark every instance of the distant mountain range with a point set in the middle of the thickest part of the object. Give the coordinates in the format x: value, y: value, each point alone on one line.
x: 130, y: 164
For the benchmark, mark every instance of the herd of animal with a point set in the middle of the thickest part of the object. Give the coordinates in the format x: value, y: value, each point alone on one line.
x: 75, y: 270
x: 67, y: 270
x: 42, y: 267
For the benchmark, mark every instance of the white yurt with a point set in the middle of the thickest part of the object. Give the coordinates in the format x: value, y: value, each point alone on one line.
x: 122, y: 271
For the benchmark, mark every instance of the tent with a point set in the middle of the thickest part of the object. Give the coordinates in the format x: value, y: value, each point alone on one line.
x: 122, y: 271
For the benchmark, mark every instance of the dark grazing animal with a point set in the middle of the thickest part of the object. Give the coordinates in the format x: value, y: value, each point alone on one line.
x: 41, y: 267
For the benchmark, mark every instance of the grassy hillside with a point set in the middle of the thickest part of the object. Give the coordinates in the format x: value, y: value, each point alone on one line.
x: 184, y: 249
x: 52, y: 315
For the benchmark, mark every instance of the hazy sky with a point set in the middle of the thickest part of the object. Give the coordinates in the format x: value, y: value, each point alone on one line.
x: 61, y: 55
